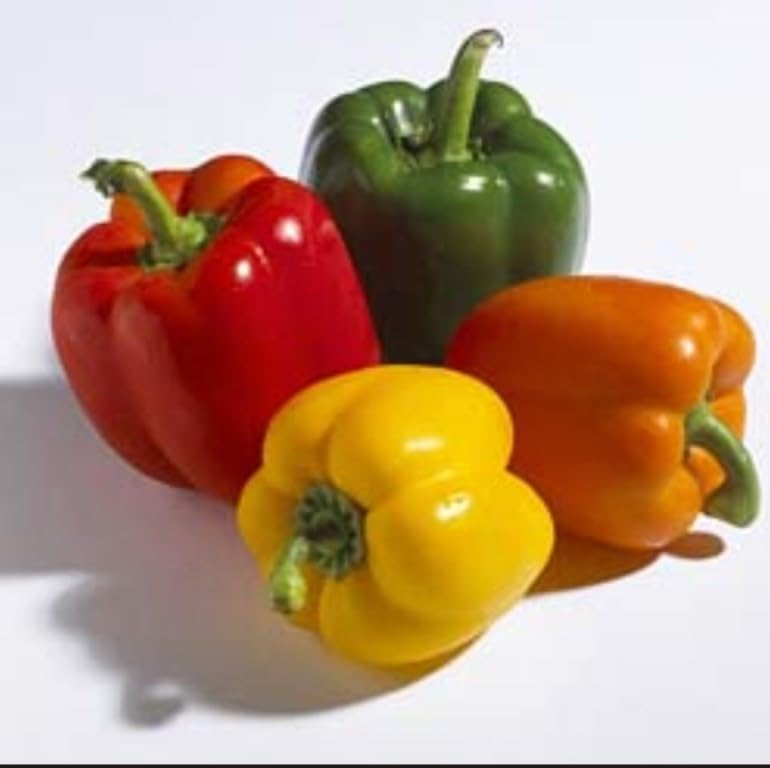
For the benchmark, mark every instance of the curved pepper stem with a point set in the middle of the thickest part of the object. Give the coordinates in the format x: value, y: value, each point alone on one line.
x: 328, y: 534
x: 288, y: 589
x: 175, y: 239
x: 462, y: 85
x: 736, y: 501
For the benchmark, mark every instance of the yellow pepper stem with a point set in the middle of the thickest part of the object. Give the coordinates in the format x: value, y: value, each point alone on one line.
x: 288, y: 589
x: 328, y: 534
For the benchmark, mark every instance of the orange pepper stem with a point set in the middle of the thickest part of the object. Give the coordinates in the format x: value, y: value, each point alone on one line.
x: 175, y: 239
x: 737, y: 500
x: 328, y: 534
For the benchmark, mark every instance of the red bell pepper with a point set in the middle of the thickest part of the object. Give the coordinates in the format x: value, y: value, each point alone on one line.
x: 206, y: 301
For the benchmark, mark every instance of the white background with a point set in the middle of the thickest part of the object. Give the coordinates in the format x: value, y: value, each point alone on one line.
x: 131, y: 623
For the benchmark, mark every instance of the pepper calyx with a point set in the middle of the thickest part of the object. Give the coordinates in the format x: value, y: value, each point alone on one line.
x: 328, y: 533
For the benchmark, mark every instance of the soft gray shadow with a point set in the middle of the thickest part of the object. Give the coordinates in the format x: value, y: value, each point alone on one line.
x: 579, y: 563
x: 169, y: 601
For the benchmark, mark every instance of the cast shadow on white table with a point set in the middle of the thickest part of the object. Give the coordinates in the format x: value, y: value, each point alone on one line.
x: 164, y: 596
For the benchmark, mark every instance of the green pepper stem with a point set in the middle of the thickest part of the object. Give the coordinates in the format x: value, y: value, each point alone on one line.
x: 328, y: 533
x: 737, y: 500
x: 454, y: 125
x: 175, y: 239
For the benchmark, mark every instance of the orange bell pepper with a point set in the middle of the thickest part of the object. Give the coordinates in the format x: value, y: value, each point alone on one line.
x: 628, y: 402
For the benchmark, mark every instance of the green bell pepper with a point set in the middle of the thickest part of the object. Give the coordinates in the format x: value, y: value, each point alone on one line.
x: 445, y: 196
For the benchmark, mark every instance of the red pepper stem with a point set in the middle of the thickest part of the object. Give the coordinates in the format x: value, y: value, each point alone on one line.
x: 737, y: 500
x: 462, y: 85
x: 175, y: 239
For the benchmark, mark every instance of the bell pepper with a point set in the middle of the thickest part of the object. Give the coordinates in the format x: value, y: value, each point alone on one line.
x: 383, y: 516
x: 445, y: 196
x: 628, y: 403
x: 206, y: 301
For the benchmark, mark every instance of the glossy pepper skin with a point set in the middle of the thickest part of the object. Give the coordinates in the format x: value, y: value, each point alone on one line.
x: 445, y: 196
x: 207, y: 300
x: 628, y: 402
x: 384, y: 518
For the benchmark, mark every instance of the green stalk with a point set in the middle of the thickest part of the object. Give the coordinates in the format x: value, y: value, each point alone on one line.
x: 174, y: 239
x: 288, y: 589
x: 737, y: 500
x: 462, y: 85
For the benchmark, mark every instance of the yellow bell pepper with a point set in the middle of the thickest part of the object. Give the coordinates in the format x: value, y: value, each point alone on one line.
x: 383, y: 515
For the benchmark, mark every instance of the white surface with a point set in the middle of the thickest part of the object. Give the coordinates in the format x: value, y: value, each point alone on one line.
x: 131, y: 625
